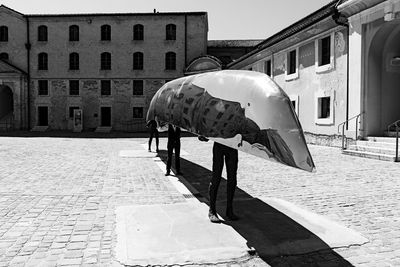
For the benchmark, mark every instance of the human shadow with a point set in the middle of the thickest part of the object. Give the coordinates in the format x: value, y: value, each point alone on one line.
x: 276, y: 238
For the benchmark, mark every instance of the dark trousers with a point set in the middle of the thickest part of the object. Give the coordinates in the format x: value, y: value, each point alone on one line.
x: 221, y: 152
x: 171, y: 146
x: 153, y: 133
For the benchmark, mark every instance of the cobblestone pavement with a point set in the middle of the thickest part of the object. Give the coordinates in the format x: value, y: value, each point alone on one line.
x: 58, y: 198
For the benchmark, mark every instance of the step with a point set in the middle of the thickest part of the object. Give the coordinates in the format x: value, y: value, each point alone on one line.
x: 103, y: 129
x: 391, y: 134
x: 40, y: 128
x: 376, y: 144
x: 373, y: 149
x: 369, y: 155
x: 381, y: 139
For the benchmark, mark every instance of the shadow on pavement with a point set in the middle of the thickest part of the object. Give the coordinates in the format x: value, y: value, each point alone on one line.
x: 277, y: 239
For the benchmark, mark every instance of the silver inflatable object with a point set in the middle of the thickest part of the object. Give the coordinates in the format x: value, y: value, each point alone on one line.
x: 245, y: 110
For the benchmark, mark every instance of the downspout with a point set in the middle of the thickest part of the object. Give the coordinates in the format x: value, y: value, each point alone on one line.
x: 185, y: 41
x: 342, y: 21
x: 28, y: 53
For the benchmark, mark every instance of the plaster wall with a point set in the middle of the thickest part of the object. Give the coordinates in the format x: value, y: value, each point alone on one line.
x: 311, y: 84
x: 17, y: 37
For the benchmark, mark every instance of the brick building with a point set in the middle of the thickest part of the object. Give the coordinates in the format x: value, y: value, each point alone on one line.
x: 108, y: 65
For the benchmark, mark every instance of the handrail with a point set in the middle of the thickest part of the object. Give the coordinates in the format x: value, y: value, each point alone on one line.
x: 396, y: 123
x: 344, y: 123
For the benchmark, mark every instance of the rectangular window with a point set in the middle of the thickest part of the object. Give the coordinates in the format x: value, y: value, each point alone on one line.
x: 324, y: 51
x: 43, y: 87
x: 138, y: 112
x: 291, y: 62
x: 267, y: 67
x: 105, y: 87
x: 137, y: 87
x: 71, y: 112
x: 74, y: 87
x: 324, y: 106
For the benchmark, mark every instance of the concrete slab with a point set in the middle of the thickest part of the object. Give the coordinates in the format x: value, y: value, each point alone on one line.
x: 175, y: 234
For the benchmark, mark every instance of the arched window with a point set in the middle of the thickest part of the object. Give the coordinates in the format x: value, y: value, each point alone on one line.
x: 74, y: 33
x: 42, y: 33
x: 105, y: 61
x: 42, y: 61
x: 4, y: 56
x: 106, y: 32
x: 170, y: 32
x: 3, y: 34
x: 138, y: 61
x: 74, y: 61
x: 170, y: 61
x: 138, y: 32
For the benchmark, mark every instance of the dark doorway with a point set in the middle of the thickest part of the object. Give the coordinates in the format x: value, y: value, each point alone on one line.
x: 43, y: 116
x: 6, y: 101
x: 106, y: 116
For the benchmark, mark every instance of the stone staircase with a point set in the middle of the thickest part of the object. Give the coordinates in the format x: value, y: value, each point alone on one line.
x: 381, y: 148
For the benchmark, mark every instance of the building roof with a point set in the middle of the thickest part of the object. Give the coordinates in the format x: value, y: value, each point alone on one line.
x: 234, y: 43
x: 200, y: 13
x: 12, y: 10
x: 108, y: 14
x: 320, y: 14
x: 7, y: 67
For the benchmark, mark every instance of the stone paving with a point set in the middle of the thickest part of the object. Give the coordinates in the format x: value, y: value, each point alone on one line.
x: 58, y: 198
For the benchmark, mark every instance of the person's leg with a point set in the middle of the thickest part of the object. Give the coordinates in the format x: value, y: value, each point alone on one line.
x: 218, y: 164
x: 178, y: 157
x: 169, y: 158
x: 157, y: 142
x: 150, y: 139
x: 231, y: 163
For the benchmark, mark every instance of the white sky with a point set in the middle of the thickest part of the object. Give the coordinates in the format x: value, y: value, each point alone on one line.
x: 227, y: 19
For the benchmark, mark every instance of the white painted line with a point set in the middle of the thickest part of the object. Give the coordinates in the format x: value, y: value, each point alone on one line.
x: 173, y: 179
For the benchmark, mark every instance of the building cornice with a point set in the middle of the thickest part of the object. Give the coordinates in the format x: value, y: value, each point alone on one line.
x: 351, y: 7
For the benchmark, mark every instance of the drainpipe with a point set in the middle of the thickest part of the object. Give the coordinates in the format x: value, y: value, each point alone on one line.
x: 342, y: 21
x: 28, y: 53
x: 185, y: 41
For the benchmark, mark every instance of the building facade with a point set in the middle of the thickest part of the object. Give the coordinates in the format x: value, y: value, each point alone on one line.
x: 107, y: 65
x: 338, y: 64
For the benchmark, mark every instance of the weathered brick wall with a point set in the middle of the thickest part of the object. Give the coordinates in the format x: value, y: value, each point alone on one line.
x: 122, y: 46
x: 90, y: 100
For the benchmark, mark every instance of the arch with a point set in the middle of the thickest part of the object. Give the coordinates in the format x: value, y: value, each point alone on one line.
x: 170, y: 61
x: 138, y: 32
x: 382, y: 76
x: 74, y: 33
x: 42, y: 33
x: 6, y: 102
x: 3, y: 33
x: 170, y: 31
x: 42, y: 61
x: 105, y: 32
x: 105, y: 59
x: 203, y: 64
x: 74, y: 61
x: 138, y: 61
x: 4, y: 56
